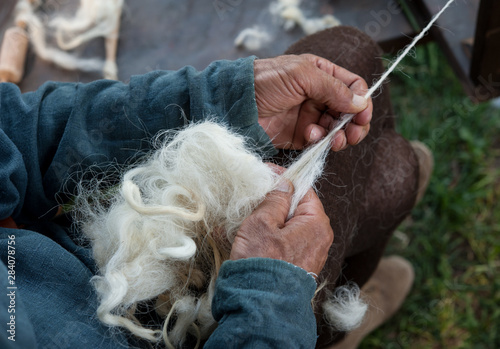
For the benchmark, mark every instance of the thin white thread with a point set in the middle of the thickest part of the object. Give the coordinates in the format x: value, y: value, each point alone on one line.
x: 407, y: 49
x: 304, y: 172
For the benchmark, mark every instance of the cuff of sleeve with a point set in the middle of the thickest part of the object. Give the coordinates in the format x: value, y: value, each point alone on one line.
x: 274, y: 270
x: 226, y: 90
x: 247, y: 121
x: 265, y: 301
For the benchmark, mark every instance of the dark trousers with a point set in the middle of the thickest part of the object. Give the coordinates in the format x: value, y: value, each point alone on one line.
x: 367, y: 189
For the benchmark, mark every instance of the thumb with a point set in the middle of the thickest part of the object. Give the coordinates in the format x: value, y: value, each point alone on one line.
x: 332, y: 92
x: 337, y: 96
x: 276, y: 205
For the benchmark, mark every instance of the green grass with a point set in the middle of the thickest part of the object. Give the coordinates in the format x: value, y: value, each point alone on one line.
x: 454, y: 233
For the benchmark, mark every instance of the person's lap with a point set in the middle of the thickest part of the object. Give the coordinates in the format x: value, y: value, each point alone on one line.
x: 367, y: 189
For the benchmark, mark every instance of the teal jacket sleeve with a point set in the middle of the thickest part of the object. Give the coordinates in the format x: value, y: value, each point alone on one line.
x: 48, y: 136
x: 263, y: 303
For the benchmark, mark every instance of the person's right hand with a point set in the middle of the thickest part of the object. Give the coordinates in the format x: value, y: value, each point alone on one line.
x: 304, y: 240
x: 299, y: 97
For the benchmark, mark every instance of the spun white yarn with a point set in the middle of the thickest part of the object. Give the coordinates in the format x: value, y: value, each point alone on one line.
x: 309, y: 166
x: 344, y: 310
x: 95, y: 18
x: 199, y: 186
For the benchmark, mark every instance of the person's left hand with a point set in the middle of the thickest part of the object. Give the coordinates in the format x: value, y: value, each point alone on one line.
x: 297, y: 96
x: 304, y: 240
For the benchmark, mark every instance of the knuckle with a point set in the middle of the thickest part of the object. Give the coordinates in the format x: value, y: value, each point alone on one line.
x: 280, y: 204
x: 267, y: 219
x: 257, y: 221
x: 363, y: 83
x: 326, y: 228
x: 341, y: 90
x: 331, y: 236
x: 308, y: 57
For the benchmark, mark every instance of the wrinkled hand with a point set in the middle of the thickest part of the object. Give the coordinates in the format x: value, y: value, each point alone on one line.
x: 298, y: 98
x: 304, y: 240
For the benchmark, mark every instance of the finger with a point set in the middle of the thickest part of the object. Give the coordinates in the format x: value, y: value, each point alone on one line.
x: 316, y: 132
x: 313, y: 133
x: 339, y: 141
x: 357, y: 130
x: 309, y: 114
x: 275, y: 207
x: 276, y: 168
x: 354, y: 81
x: 360, y: 87
x: 355, y: 133
x: 365, y: 117
x: 333, y: 93
x: 348, y: 88
x: 309, y: 205
x: 327, y: 121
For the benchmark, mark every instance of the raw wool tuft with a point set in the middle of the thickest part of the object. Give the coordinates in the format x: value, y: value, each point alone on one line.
x: 344, y: 310
x: 253, y: 38
x: 289, y: 15
x: 164, y: 234
x: 94, y: 18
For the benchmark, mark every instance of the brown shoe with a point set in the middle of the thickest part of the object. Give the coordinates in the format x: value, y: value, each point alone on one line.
x: 425, y: 164
x: 384, y: 292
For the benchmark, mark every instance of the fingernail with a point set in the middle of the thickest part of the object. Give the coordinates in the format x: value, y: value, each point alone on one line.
x: 359, y: 101
x: 314, y: 135
x: 284, y: 186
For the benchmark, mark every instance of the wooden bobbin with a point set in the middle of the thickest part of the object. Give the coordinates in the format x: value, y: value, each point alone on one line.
x: 13, y: 55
